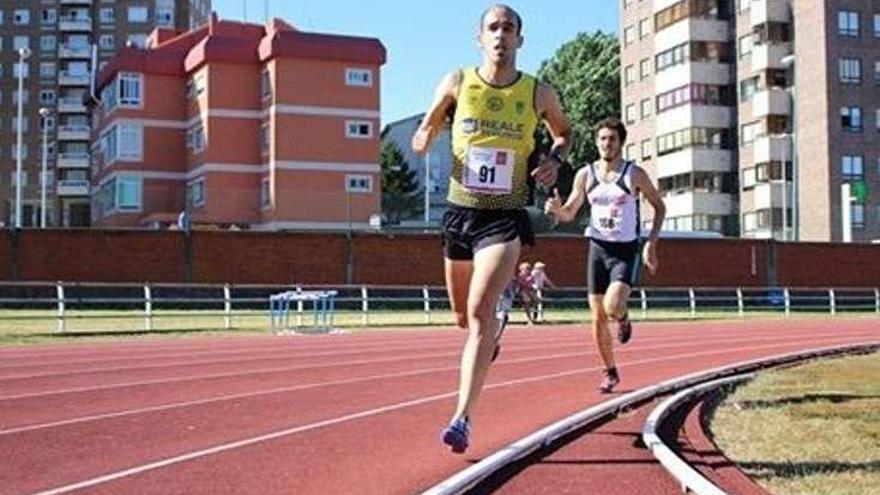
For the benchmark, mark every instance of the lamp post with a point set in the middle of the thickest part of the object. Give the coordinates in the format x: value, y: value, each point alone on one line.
x: 788, y: 62
x: 23, y: 54
x: 44, y: 115
x: 427, y: 188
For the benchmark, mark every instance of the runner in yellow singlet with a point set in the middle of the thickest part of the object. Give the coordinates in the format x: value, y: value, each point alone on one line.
x: 495, y: 110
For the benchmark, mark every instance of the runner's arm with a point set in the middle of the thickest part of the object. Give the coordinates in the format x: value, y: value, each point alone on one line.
x: 435, y: 117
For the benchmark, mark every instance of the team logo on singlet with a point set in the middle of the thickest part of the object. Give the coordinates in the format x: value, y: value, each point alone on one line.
x: 470, y: 125
x: 520, y: 107
x: 495, y: 103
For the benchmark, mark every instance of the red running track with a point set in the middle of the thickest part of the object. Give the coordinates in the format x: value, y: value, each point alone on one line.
x: 324, y: 414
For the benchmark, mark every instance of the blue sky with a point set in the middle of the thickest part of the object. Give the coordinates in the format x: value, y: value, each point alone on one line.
x: 425, y: 40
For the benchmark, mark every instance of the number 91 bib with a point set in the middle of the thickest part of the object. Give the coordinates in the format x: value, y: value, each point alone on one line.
x: 489, y: 170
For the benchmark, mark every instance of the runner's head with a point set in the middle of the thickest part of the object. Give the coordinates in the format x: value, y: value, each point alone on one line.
x: 500, y: 34
x: 610, y: 138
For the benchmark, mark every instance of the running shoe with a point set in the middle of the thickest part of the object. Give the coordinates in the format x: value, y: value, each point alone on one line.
x: 610, y: 381
x: 456, y: 435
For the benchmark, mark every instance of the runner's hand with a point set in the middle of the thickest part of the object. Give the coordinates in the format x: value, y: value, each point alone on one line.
x: 553, y: 205
x: 547, y: 172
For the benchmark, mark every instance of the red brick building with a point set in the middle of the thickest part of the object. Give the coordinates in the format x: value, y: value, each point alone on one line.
x: 262, y: 127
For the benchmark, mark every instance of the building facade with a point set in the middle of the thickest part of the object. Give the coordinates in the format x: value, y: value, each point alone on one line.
x: 56, y: 76
x: 752, y: 114
x: 437, y: 162
x: 235, y: 124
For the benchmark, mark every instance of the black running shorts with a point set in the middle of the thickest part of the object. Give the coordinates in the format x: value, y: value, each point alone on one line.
x: 611, y: 262
x: 467, y: 230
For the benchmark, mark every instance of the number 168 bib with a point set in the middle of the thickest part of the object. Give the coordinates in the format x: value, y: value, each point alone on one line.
x: 489, y: 170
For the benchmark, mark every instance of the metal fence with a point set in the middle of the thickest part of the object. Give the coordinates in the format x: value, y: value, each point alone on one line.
x: 66, y: 302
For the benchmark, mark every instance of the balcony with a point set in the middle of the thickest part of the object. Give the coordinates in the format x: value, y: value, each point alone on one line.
x: 71, y: 105
x: 772, y: 148
x: 774, y: 101
x: 769, y: 55
x: 77, y: 187
x: 769, y: 195
x: 694, y: 159
x: 66, y: 51
x: 692, y: 29
x: 75, y: 24
x: 67, y: 79
x: 764, y: 11
x: 693, y: 202
x: 75, y: 2
x: 692, y: 115
x: 74, y: 132
x: 73, y: 160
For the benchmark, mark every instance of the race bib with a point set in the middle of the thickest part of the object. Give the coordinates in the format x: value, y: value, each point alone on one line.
x: 489, y: 170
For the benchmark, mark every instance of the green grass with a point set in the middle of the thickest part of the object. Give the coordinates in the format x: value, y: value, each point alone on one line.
x: 811, y: 429
x: 34, y: 326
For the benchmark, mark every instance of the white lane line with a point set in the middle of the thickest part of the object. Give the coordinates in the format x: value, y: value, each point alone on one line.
x: 232, y: 374
x: 376, y: 411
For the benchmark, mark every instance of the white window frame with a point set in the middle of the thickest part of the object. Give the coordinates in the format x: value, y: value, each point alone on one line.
x: 195, y: 139
x: 130, y: 141
x: 265, y: 193
x: 21, y: 17
x: 20, y: 41
x: 357, y: 188
x: 265, y: 84
x: 51, y: 18
x: 354, y: 77
x: 47, y: 101
x: 136, y: 206
x: 48, y: 47
x: 104, y: 45
x: 107, y: 15
x: 350, y: 125
x: 124, y: 82
x: 138, y: 20
x: 191, y: 198
x: 265, y: 138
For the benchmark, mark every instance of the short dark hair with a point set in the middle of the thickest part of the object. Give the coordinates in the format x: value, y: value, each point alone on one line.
x: 507, y: 8
x: 614, y: 124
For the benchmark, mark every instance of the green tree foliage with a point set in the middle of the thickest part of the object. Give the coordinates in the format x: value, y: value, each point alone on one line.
x: 401, y: 196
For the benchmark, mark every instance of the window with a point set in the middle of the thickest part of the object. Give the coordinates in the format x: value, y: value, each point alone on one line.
x: 629, y: 35
x: 644, y: 28
x: 47, y: 97
x: 847, y: 23
x: 137, y: 40
x: 21, y: 17
x: 630, y: 153
x: 358, y: 183
x: 647, y: 149
x: 850, y: 70
x: 629, y: 75
x: 47, y: 43
x: 24, y: 124
x: 47, y: 123
x: 107, y: 15
x: 629, y: 114
x: 48, y: 16
x: 749, y: 180
x: 858, y: 216
x: 265, y: 84
x: 265, y: 138
x: 195, y: 87
x: 131, y: 141
x: 745, y: 45
x: 358, y: 129
x: 748, y: 88
x: 645, y: 107
x: 24, y: 154
x: 877, y: 25
x: 47, y: 70
x: 851, y: 119
x: 128, y: 193
x: 130, y: 90
x: 877, y: 72
x: 877, y: 120
x: 19, y: 42
x: 165, y: 16
x: 852, y: 168
x: 750, y: 131
x: 107, y: 42
x: 195, y: 139
x: 137, y: 14
x: 24, y: 96
x: 195, y: 193
x: 358, y: 77
x: 265, y: 198
x: 12, y: 175
x: 20, y: 69
x: 644, y: 68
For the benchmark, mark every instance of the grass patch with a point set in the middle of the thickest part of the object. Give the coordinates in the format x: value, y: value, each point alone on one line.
x: 810, y: 429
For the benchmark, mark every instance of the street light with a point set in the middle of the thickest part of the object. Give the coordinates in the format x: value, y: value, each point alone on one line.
x: 427, y: 188
x: 23, y: 54
x: 788, y: 62
x: 44, y: 115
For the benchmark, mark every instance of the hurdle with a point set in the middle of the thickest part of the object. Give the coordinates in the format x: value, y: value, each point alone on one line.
x: 323, y: 309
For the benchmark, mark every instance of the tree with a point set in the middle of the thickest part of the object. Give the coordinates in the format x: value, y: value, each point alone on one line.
x: 400, y: 187
x: 586, y: 74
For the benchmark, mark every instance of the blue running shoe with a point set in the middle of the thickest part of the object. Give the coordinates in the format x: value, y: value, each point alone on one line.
x: 456, y: 435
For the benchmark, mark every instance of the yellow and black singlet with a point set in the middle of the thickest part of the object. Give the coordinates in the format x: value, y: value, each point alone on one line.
x: 492, y: 138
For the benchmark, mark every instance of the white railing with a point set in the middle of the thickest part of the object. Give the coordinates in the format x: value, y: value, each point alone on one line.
x: 230, y: 301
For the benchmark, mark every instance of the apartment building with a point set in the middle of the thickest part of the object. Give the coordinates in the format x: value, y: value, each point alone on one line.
x: 59, y: 35
x: 253, y: 126
x: 752, y: 114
